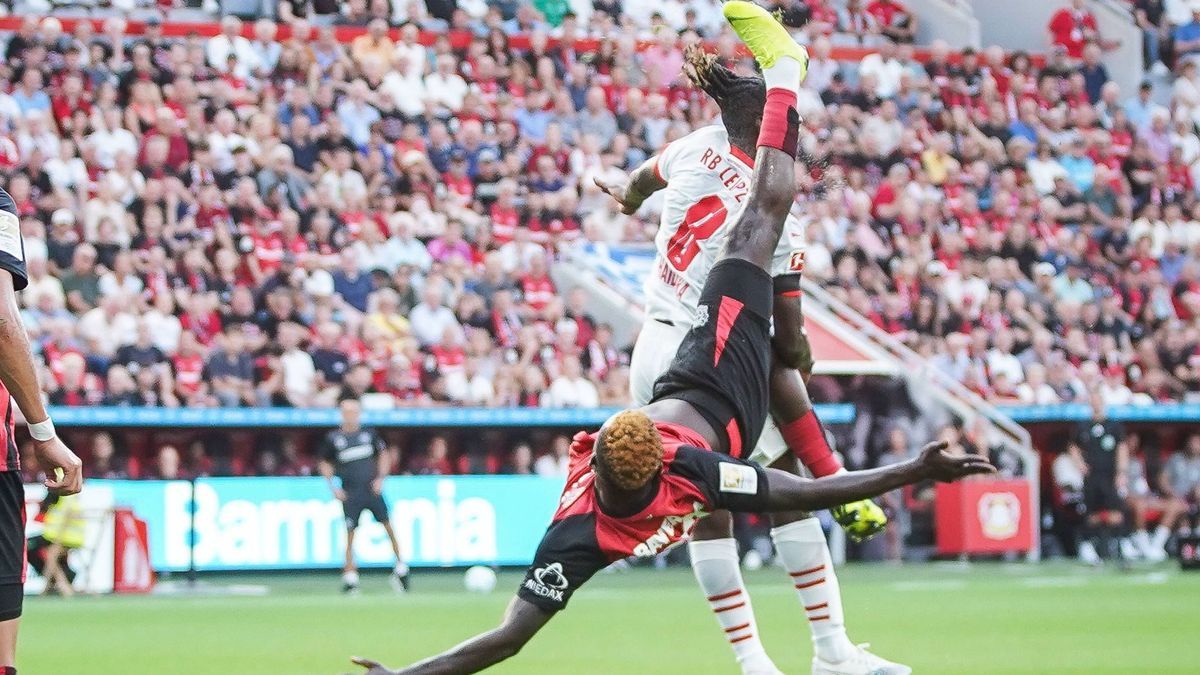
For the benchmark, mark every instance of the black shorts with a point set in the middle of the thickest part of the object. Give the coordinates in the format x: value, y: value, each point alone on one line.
x: 364, y: 500
x: 723, y: 365
x: 1100, y: 494
x: 12, y: 544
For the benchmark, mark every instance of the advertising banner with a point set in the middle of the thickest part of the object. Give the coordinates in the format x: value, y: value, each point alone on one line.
x: 295, y: 523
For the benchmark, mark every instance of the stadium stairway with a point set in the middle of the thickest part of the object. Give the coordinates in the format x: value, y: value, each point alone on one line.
x: 845, y: 343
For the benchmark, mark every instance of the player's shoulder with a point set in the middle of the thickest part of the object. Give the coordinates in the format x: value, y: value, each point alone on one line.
x: 713, y: 134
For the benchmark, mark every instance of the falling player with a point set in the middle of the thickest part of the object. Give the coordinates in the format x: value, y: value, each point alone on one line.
x: 357, y: 457
x: 706, y: 176
x: 642, y: 482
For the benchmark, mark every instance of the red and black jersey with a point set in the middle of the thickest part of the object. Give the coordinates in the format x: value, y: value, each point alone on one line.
x: 12, y: 260
x: 582, y: 539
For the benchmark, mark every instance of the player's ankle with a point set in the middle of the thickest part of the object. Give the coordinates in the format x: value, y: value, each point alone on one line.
x: 834, y: 647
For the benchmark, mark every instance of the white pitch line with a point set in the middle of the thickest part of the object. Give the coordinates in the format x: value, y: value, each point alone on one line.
x: 938, y: 585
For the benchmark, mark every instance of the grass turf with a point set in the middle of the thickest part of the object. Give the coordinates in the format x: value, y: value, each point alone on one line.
x: 938, y: 618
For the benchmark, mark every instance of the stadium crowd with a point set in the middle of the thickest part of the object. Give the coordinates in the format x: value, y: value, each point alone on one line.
x: 271, y: 216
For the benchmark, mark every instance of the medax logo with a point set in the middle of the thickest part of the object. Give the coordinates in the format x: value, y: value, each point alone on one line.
x: 999, y: 515
x: 548, y: 582
x: 702, y: 315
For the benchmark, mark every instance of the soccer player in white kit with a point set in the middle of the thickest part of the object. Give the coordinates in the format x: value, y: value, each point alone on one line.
x: 707, y: 178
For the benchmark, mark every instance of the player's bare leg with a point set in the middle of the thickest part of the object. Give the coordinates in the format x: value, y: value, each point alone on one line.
x: 8, y: 646
x: 350, y: 568
x: 399, y: 578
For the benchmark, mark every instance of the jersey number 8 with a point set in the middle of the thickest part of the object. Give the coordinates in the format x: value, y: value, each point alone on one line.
x: 700, y: 222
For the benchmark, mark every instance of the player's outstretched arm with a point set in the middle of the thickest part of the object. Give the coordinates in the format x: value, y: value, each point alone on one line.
x: 791, y: 493
x: 521, y: 622
x: 637, y: 188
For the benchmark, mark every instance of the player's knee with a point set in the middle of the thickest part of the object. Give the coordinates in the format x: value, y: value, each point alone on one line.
x: 781, y: 518
x: 719, y: 525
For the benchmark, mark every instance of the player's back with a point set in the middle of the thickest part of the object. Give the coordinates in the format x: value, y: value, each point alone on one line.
x: 708, y: 184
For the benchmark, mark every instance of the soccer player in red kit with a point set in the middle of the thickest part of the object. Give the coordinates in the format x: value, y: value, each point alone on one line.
x: 641, y: 483
x: 19, y: 383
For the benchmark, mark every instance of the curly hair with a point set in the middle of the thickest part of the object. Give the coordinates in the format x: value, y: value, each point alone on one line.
x: 741, y: 98
x: 629, y: 450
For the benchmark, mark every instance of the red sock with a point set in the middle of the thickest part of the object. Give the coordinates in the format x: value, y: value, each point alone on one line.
x: 781, y: 122
x: 806, y: 439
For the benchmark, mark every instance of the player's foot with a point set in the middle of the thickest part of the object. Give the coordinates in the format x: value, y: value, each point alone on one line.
x: 1127, y: 550
x: 350, y: 583
x: 764, y: 668
x: 1088, y: 555
x: 766, y: 38
x: 399, y: 578
x: 861, y: 662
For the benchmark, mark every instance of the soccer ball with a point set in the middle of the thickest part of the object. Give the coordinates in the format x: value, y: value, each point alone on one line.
x: 480, y: 579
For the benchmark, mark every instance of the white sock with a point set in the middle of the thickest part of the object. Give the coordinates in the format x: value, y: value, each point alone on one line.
x: 350, y: 578
x: 1161, y: 534
x: 801, y: 546
x: 715, y: 564
x: 785, y: 74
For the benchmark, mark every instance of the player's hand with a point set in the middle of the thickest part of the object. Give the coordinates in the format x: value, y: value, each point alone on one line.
x: 620, y: 192
x: 945, y: 467
x: 861, y: 520
x: 339, y: 494
x: 63, y: 468
x: 377, y: 486
x: 373, y: 667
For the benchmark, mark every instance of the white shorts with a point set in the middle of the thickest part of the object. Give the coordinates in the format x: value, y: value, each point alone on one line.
x: 652, y: 355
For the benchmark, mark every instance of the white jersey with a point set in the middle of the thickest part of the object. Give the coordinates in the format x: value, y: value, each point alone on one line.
x: 708, y: 184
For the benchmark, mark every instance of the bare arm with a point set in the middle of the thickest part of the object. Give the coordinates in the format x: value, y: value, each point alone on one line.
x: 791, y: 344
x: 521, y: 622
x: 326, y: 469
x: 790, y: 493
x: 19, y: 376
x: 643, y: 182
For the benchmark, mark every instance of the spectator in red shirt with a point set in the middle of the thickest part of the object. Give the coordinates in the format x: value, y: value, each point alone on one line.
x: 536, y: 286
x: 1073, y: 27
x: 894, y: 19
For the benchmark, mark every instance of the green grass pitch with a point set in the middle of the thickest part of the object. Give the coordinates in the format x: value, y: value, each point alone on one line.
x: 938, y: 618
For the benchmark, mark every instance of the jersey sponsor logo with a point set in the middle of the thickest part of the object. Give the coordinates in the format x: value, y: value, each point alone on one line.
x: 796, y: 261
x: 672, y: 530
x: 999, y: 515
x: 738, y: 479
x: 701, y: 315
x: 10, y: 235
x: 355, y: 453
x: 548, y: 582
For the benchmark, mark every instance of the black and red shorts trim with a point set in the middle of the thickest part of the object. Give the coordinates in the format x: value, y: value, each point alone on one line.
x: 723, y: 364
